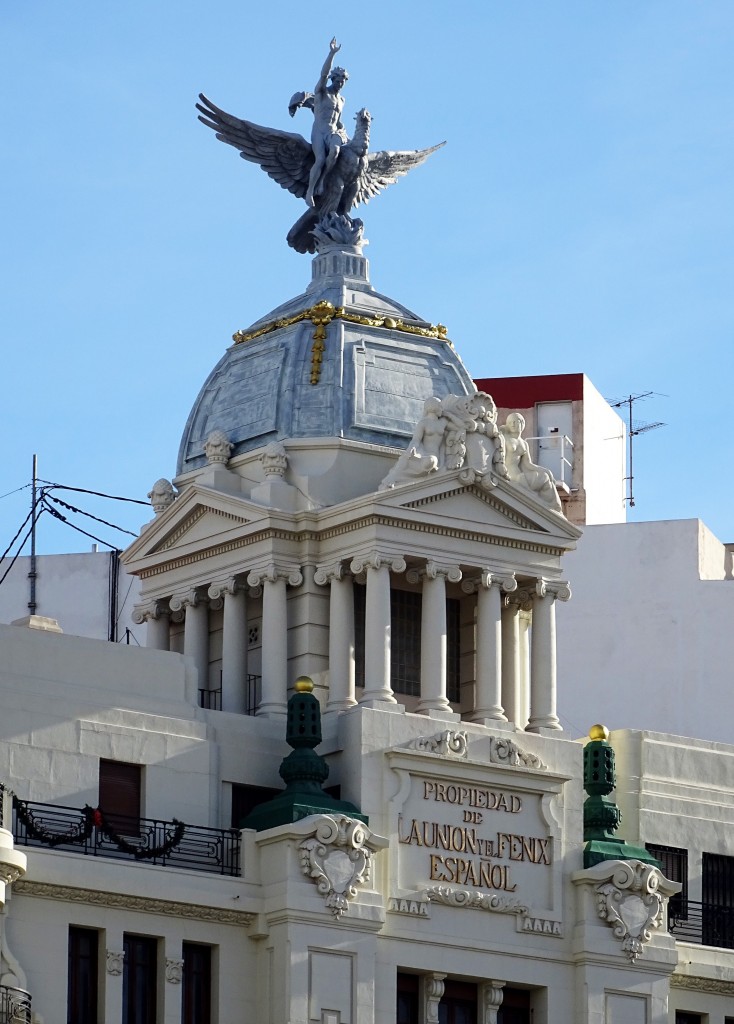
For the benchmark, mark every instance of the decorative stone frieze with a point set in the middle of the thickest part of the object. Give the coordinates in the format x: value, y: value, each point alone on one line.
x: 138, y: 904
x: 449, y: 743
x: 161, y: 495
x: 217, y: 448
x: 433, y: 990
x: 506, y: 751
x: 696, y: 983
x: 472, y: 899
x: 337, y: 857
x: 631, y: 898
x: 174, y: 970
x: 115, y: 961
x: 272, y: 573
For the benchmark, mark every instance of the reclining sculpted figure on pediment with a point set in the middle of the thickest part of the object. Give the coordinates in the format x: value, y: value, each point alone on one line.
x: 454, y: 432
x: 521, y: 470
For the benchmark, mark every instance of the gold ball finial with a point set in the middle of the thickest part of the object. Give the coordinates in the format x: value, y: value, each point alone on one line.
x: 304, y: 684
x: 598, y: 732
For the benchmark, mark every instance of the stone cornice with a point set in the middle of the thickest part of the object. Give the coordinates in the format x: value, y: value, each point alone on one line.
x: 352, y: 526
x: 695, y: 983
x: 126, y: 901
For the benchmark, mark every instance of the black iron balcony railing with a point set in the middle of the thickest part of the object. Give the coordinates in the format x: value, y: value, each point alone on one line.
x: 15, y: 1006
x: 212, y: 699
x: 709, y: 924
x: 149, y: 840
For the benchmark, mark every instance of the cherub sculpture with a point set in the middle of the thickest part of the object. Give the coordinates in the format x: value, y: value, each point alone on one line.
x: 333, y: 173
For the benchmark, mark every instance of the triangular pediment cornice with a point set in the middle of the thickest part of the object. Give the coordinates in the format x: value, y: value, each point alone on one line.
x: 487, y: 497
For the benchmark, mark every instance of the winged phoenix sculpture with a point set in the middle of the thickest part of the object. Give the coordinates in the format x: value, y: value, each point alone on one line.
x: 332, y: 173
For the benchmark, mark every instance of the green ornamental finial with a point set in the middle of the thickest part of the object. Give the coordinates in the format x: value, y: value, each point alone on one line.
x: 602, y: 817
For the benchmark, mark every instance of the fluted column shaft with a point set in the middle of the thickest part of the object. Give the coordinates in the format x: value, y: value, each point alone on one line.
x: 341, y: 644
x: 234, y: 650
x: 377, y: 636
x: 543, y: 657
x: 196, y: 639
x: 274, y: 648
x: 488, y: 695
x: 510, y: 658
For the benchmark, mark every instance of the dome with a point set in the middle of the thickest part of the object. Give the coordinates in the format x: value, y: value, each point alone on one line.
x: 338, y: 361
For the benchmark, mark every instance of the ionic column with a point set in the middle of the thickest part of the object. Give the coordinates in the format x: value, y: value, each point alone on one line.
x: 377, y: 625
x: 196, y: 631
x: 490, y: 1000
x: 510, y: 657
x: 158, y: 631
x: 234, y: 643
x: 543, y: 655
x: 341, y: 636
x: 433, y: 634
x: 433, y: 989
x: 488, y: 697
x: 274, y: 635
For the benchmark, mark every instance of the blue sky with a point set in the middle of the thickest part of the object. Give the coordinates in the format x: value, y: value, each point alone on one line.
x: 581, y: 217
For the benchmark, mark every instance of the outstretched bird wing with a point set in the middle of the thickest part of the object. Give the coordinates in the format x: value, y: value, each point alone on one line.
x: 285, y: 156
x: 384, y: 168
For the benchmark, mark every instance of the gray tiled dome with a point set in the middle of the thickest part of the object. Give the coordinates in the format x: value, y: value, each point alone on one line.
x: 372, y: 382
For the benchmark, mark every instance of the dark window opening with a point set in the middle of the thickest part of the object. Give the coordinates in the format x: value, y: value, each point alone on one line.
x: 196, y: 995
x: 408, y: 999
x: 246, y: 798
x: 119, y: 795
x: 83, y: 974
x: 139, y: 980
x: 717, y: 924
x: 515, y: 1008
x: 458, y: 1004
x: 674, y: 865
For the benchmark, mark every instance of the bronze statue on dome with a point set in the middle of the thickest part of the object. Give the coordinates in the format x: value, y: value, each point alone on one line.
x: 333, y: 173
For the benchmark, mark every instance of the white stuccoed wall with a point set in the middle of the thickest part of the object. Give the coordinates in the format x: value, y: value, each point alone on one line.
x: 604, y: 458
x: 74, y: 590
x: 647, y: 640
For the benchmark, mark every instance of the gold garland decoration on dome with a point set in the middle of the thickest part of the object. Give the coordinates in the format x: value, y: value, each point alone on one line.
x: 321, y: 316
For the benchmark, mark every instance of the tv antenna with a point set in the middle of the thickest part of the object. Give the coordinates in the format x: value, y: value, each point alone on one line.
x: 634, y: 427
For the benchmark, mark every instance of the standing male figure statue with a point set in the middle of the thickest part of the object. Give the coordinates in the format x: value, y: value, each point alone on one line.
x: 327, y: 135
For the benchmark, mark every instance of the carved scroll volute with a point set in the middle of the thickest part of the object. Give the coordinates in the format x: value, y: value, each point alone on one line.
x: 375, y: 560
x: 326, y: 573
x: 292, y: 576
x: 487, y: 578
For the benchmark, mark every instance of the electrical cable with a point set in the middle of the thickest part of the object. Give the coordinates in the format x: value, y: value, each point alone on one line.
x: 7, y: 549
x: 89, y: 515
x: 23, y: 488
x: 124, y: 601
x: 23, y: 544
x: 99, y: 494
x: 57, y: 515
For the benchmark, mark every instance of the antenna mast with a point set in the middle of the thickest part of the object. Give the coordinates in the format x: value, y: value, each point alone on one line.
x: 633, y: 429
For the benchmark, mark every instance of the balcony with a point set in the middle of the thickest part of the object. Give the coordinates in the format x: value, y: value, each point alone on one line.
x: 212, y: 699
x: 708, y: 924
x: 15, y: 1006
x: 91, y: 832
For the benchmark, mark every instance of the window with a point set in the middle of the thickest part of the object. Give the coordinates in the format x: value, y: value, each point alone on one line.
x: 408, y: 1008
x: 405, y: 646
x: 81, y: 992
x: 458, y: 1004
x: 196, y: 996
x: 717, y: 924
x: 674, y: 865
x: 682, y: 1017
x: 139, y: 980
x: 515, y: 1008
x: 246, y: 799
x: 119, y: 795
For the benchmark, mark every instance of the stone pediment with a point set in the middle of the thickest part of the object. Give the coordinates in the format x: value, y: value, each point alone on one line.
x: 198, y: 517
x: 502, y: 506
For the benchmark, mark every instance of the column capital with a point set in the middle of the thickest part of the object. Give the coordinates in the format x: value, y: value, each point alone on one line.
x: 433, y: 570
x: 376, y: 560
x: 185, y: 599
x: 217, y: 590
x: 326, y: 573
x: 271, y: 573
x: 487, y: 579
x: 522, y: 597
x: 150, y: 610
x: 557, y: 589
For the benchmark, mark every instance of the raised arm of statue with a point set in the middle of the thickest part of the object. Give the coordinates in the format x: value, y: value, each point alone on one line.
x: 334, y: 48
